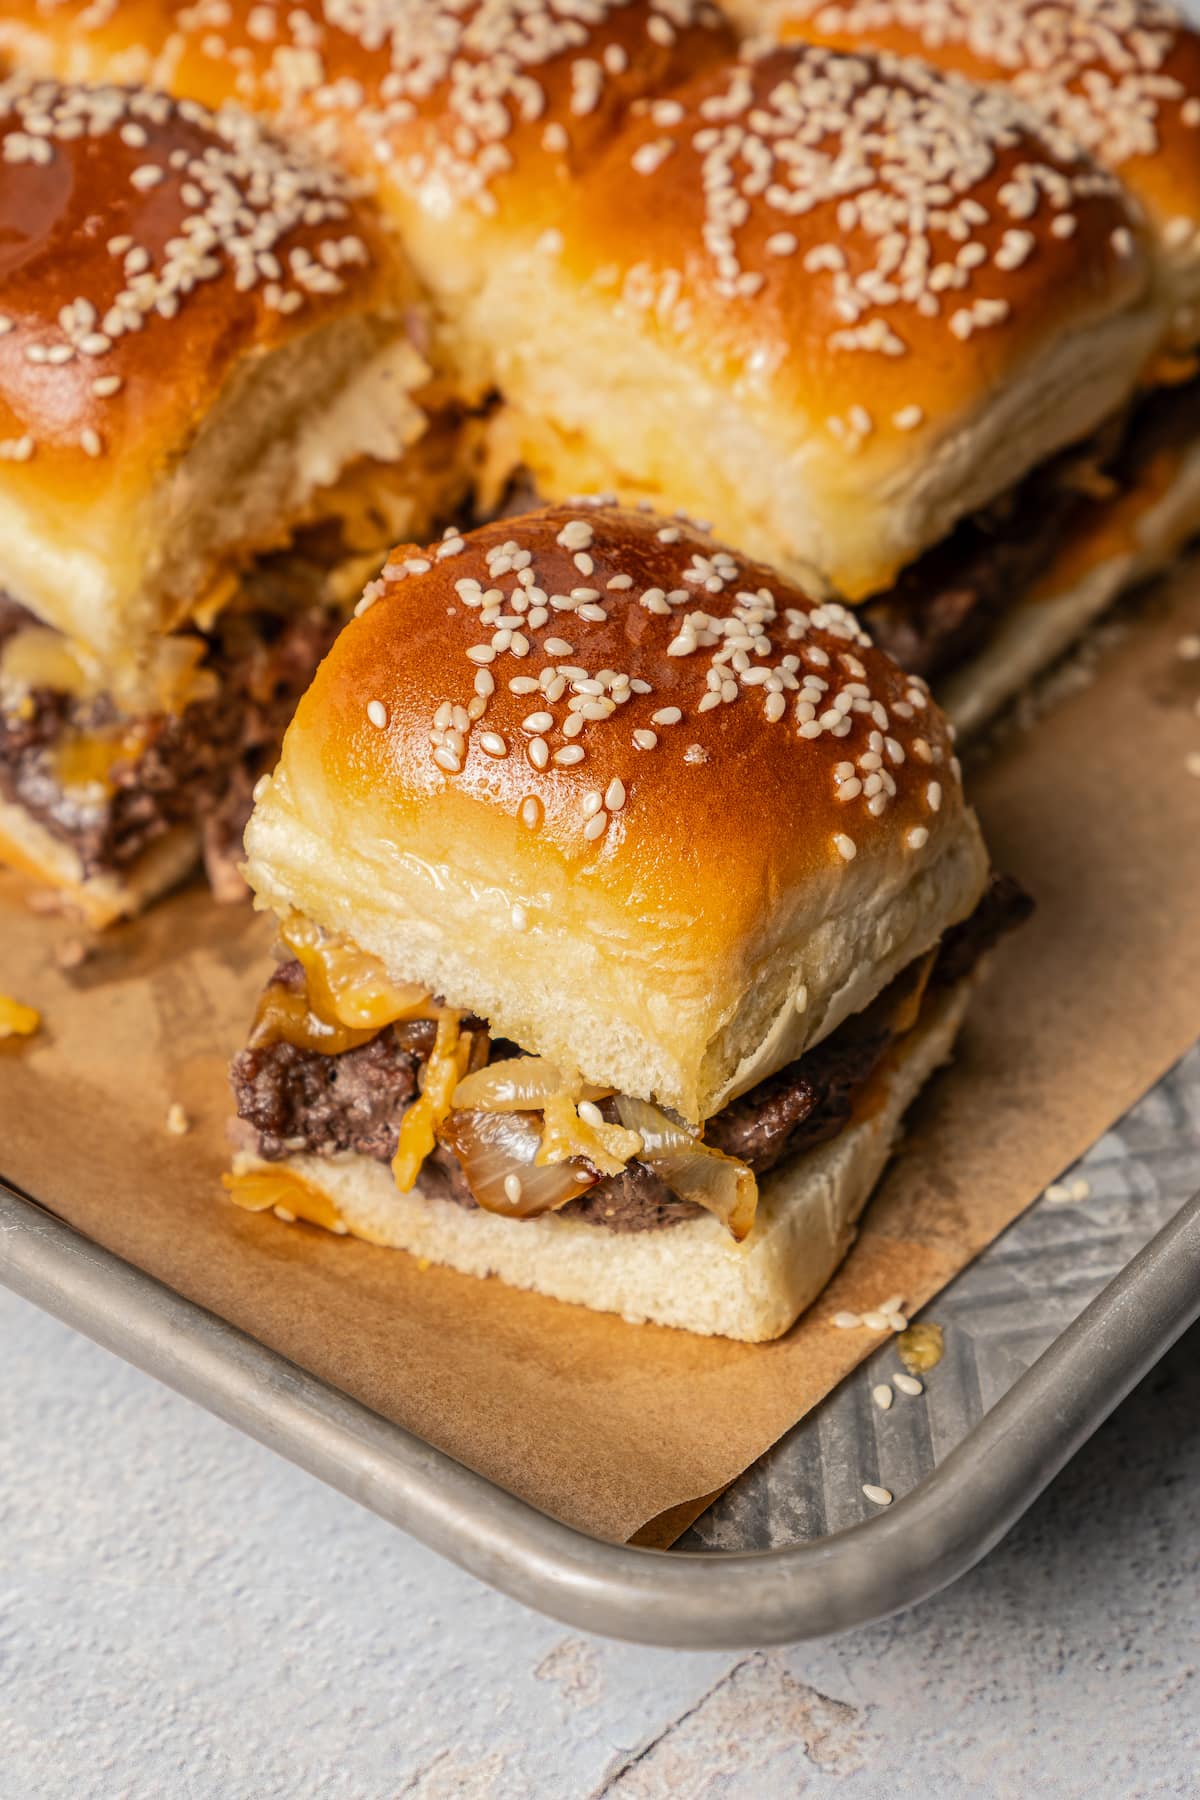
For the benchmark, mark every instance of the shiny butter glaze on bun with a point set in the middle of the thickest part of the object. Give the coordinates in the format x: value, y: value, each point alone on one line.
x: 628, y: 795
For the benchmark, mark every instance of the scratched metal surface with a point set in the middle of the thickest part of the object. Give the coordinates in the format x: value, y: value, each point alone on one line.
x: 998, y: 1316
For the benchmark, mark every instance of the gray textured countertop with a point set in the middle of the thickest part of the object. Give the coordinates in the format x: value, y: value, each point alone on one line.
x: 182, y: 1614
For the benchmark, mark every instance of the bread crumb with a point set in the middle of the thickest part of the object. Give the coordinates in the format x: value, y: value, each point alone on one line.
x: 47, y: 902
x: 178, y: 1123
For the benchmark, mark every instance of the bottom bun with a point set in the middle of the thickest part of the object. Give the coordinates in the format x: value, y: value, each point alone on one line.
x: 692, y: 1275
x: 27, y: 846
x: 1149, y: 531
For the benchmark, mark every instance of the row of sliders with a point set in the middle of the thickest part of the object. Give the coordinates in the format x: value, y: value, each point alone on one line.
x: 625, y: 888
x: 905, y: 305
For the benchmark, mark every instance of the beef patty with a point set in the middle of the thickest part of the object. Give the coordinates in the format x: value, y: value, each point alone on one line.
x: 197, y: 766
x: 944, y: 607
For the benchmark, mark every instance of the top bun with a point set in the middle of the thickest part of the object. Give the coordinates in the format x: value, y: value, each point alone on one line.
x: 1117, y: 78
x: 472, y: 118
x: 831, y: 303
x: 839, y: 303
x: 624, y: 793
x: 200, y: 327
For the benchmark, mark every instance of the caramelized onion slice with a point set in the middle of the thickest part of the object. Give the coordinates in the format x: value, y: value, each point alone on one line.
x: 499, y: 1148
x: 518, y: 1084
x: 521, y: 1084
x: 695, y: 1171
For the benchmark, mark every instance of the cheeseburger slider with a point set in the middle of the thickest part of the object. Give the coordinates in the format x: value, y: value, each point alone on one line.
x: 880, y: 323
x: 626, y: 898
x: 211, y: 425
x: 1119, y: 80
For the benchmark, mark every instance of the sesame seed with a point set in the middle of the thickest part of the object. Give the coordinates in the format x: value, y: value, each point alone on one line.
x: 90, y: 442
x: 538, y: 752
x: 917, y: 838
x: 875, y: 1321
x: 538, y: 721
x: 178, y: 1123
x: 845, y: 846
x: 846, y: 1321
x: 879, y: 1496
x: 645, y: 740
x: 377, y: 713
x: 531, y: 812
x: 881, y: 1394
x: 493, y: 744
x: 596, y: 826
x: 933, y: 794
x: 908, y: 1384
x: 569, y: 755
x: 512, y: 1189
x: 614, y: 795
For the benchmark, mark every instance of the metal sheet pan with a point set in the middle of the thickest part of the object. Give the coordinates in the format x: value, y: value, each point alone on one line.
x: 708, y: 1595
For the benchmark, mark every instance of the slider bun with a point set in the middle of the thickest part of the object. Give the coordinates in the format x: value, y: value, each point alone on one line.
x: 1122, y: 82
x: 178, y: 377
x: 691, y: 1275
x: 1134, y: 538
x: 672, y: 914
x: 101, y: 899
x: 471, y: 120
x: 827, y: 379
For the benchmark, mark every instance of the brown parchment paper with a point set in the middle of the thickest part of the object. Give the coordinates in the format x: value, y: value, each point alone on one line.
x: 603, y: 1424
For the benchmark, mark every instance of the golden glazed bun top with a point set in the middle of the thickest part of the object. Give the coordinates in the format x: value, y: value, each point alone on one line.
x: 147, y: 248
x: 588, y: 762
x: 442, y: 99
x: 200, y: 327
x: 897, y: 277
x: 640, y: 699
x: 835, y: 229
x: 1119, y: 78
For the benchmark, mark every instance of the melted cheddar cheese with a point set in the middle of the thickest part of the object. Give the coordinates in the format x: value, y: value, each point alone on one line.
x: 285, y: 1193
x: 17, y: 1019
